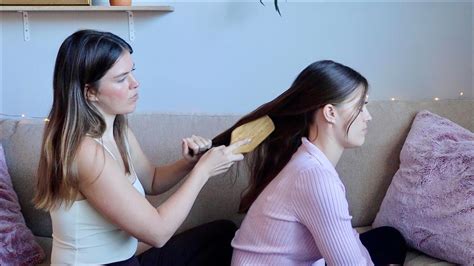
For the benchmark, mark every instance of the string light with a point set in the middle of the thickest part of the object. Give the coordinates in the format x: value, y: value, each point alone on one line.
x: 24, y: 116
x: 47, y: 120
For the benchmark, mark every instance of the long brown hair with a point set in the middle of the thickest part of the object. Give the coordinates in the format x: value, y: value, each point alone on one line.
x: 321, y: 83
x: 83, y: 59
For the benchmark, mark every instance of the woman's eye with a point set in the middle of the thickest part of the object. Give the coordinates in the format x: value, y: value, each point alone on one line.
x: 361, y: 109
x: 123, y: 79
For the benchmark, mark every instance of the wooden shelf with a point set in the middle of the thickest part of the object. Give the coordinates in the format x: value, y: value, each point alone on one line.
x: 127, y: 9
x: 85, y: 8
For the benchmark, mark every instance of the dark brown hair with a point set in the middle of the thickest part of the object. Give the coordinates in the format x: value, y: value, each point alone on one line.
x: 83, y: 58
x: 321, y: 83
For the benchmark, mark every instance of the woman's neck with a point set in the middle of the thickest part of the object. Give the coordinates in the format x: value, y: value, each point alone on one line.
x: 332, y: 151
x: 326, y: 143
x: 109, y: 126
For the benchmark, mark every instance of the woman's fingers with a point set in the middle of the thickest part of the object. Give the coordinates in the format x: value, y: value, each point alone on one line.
x: 184, y: 146
x: 191, y: 145
x: 237, y: 157
x: 199, y: 141
x: 196, y: 145
x: 204, y: 144
x: 239, y: 143
x: 219, y: 159
x: 227, y: 153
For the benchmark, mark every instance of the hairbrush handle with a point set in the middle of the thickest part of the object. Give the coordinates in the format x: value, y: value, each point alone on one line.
x: 192, y: 154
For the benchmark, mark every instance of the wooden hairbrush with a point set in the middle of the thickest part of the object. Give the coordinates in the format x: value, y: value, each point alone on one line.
x: 257, y: 131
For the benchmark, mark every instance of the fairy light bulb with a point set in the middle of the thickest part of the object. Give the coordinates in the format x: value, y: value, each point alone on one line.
x: 461, y: 93
x: 436, y: 99
x: 392, y: 99
x: 21, y: 116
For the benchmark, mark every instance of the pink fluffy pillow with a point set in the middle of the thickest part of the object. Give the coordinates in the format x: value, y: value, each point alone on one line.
x: 431, y: 197
x: 17, y: 243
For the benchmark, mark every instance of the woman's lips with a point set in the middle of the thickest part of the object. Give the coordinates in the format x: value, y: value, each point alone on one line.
x: 134, y: 97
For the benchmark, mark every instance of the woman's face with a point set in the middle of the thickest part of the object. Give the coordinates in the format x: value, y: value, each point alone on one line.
x: 357, y: 131
x: 118, y: 88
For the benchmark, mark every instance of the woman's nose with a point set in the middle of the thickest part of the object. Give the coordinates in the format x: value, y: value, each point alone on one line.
x: 368, y: 116
x: 134, y: 82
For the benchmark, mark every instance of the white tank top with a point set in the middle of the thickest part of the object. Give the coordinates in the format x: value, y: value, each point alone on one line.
x: 81, y: 235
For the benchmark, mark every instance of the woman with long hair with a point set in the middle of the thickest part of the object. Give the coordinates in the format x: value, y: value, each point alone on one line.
x: 297, y: 212
x: 93, y: 175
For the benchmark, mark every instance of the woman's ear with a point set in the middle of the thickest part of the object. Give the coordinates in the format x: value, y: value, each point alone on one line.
x: 329, y: 113
x: 90, y: 94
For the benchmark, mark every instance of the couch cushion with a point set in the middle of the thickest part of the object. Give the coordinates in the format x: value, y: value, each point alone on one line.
x: 367, y: 171
x: 21, y: 141
x: 46, y: 244
x: 416, y: 258
x: 431, y: 197
x: 18, y: 246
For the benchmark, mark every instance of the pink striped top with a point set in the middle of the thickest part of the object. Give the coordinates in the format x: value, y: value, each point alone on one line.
x: 301, y: 217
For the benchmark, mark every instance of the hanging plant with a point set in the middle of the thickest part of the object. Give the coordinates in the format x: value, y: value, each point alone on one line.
x: 275, y: 2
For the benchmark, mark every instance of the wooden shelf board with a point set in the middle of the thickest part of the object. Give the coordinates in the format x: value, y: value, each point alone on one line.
x: 85, y: 8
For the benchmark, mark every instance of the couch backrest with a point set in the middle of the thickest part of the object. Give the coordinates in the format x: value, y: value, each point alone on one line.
x: 366, y: 171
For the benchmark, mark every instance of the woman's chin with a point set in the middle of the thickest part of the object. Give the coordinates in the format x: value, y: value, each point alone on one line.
x: 355, y: 144
x: 131, y: 110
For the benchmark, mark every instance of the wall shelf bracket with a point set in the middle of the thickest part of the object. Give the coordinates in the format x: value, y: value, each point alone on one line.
x: 26, y: 25
x: 128, y: 9
x: 131, y: 26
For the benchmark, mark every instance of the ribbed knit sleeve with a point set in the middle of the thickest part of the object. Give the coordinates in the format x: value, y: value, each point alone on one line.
x: 320, y: 204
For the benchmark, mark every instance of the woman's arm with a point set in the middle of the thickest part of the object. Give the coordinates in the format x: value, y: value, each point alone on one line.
x: 321, y: 205
x: 109, y: 191
x: 157, y: 180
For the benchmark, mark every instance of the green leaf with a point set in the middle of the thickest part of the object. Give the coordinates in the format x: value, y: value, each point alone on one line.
x: 276, y: 7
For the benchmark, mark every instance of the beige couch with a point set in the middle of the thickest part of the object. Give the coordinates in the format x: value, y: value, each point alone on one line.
x: 366, y: 171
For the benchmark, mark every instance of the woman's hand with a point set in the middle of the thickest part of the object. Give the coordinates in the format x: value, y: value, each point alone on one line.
x: 219, y: 159
x: 198, y: 145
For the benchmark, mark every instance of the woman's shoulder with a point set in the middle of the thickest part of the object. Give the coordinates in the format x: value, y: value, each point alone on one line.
x: 306, y: 165
x: 312, y: 172
x: 88, y: 146
x: 317, y: 172
x: 318, y: 183
x: 303, y: 163
x: 90, y: 158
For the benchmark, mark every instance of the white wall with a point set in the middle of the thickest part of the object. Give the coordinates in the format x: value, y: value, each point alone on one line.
x: 229, y: 56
